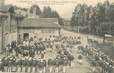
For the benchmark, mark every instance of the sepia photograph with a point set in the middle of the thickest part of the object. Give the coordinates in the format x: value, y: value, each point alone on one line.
x: 56, y: 36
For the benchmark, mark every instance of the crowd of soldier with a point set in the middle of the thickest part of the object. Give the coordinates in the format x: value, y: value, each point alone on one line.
x: 100, y: 62
x: 28, y: 63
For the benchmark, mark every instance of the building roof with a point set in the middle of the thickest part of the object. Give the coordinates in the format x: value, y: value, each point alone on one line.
x: 5, y: 8
x: 107, y: 23
x: 66, y: 22
x: 108, y: 35
x: 3, y: 14
x: 107, y: 27
x: 39, y: 23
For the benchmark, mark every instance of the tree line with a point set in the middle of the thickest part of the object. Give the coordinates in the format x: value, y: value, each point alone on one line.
x: 92, y: 16
x: 47, y: 12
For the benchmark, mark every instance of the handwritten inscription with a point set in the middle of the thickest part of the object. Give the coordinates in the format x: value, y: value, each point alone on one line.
x: 47, y: 2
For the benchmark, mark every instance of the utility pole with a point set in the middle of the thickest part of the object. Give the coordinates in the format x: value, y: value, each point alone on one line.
x: 1, y: 23
x: 17, y: 23
x: 2, y: 19
x: 2, y: 16
x: 2, y: 34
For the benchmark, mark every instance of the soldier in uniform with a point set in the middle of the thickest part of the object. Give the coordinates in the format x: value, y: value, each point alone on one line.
x: 70, y: 58
x: 50, y: 65
x: 65, y: 63
x: 31, y: 64
x: 3, y: 64
x: 21, y: 64
x: 34, y: 64
x: 37, y: 47
x: 26, y: 65
x: 58, y: 62
x: 13, y: 62
x: 37, y: 65
x: 42, y: 65
x: 32, y: 52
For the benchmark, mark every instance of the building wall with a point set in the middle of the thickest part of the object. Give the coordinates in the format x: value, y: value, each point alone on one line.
x: 39, y: 33
x: 10, y: 32
x: 10, y: 37
x: 1, y: 2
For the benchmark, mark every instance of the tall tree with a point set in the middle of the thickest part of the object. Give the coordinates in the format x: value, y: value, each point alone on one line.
x: 47, y: 12
x: 36, y: 10
x: 54, y: 14
x: 73, y: 22
x: 11, y: 11
x: 93, y: 16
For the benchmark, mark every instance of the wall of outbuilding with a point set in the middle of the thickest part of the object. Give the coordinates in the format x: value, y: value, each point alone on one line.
x: 39, y: 33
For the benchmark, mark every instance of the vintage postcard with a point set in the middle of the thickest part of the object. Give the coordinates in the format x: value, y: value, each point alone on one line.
x: 56, y: 36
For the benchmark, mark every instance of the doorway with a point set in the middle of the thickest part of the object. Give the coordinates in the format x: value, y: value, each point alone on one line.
x: 25, y: 36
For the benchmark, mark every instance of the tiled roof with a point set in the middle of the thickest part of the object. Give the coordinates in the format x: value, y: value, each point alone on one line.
x: 39, y: 23
x: 107, y: 23
x: 5, y: 8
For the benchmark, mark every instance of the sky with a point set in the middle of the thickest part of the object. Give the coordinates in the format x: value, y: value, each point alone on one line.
x: 63, y: 7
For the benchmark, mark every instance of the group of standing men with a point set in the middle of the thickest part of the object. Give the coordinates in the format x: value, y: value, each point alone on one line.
x: 30, y: 56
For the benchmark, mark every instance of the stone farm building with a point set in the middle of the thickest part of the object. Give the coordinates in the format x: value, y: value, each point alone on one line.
x: 107, y: 28
x: 18, y: 27
x: 38, y: 27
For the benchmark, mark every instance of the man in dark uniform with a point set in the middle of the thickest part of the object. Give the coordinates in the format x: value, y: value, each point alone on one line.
x: 37, y: 65
x: 50, y: 65
x: 34, y: 65
x: 32, y: 52
x: 37, y: 48
x: 21, y: 65
x: 31, y: 64
x: 12, y: 62
x: 26, y: 65
x: 42, y: 65
x: 3, y: 64
x: 42, y: 55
